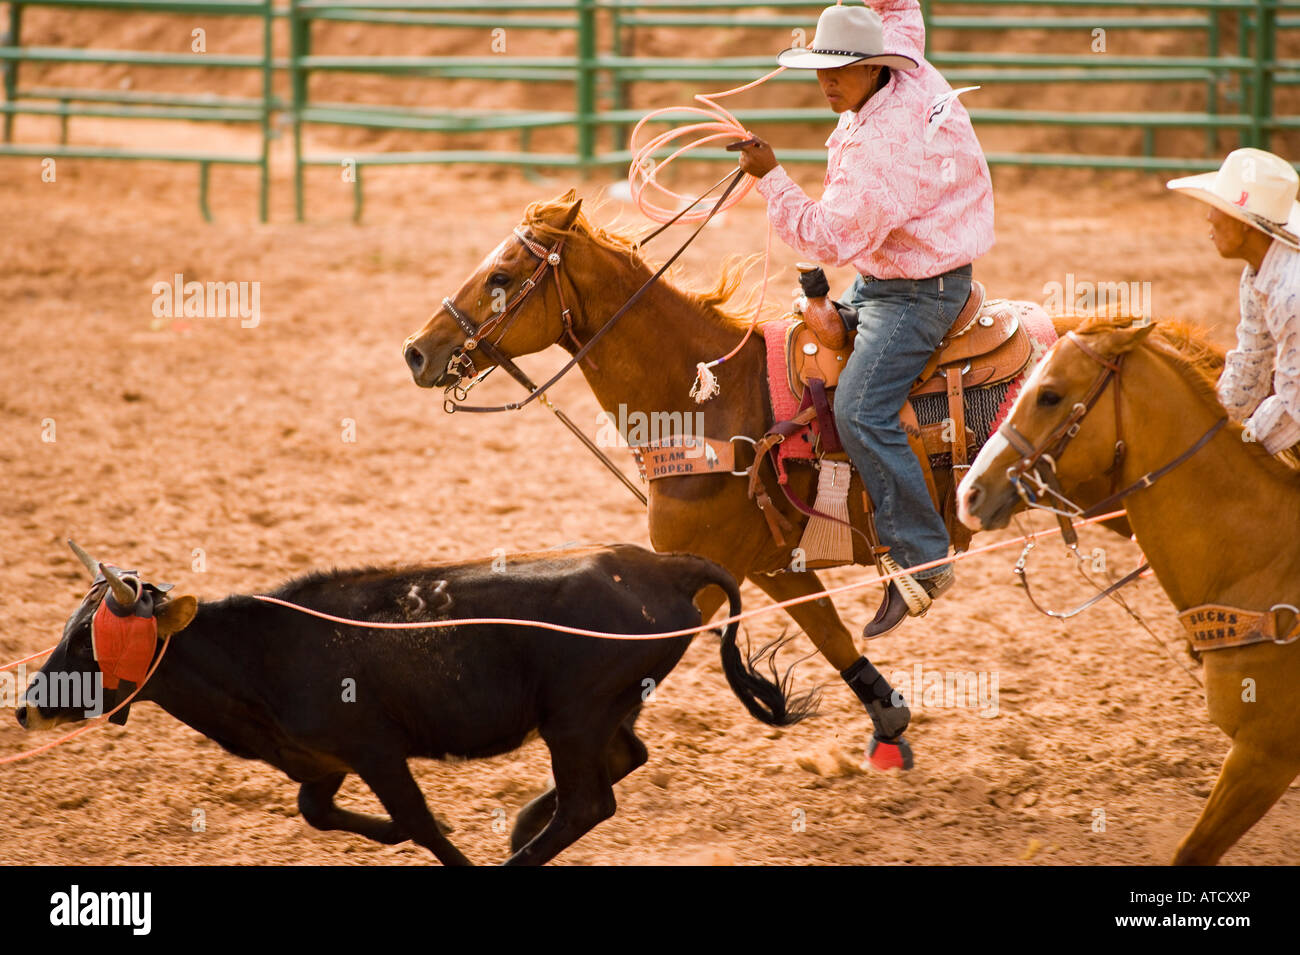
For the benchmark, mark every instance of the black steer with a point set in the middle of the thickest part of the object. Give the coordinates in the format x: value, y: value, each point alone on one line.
x: 319, y: 700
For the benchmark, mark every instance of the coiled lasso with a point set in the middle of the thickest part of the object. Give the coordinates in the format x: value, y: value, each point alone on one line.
x: 715, y: 123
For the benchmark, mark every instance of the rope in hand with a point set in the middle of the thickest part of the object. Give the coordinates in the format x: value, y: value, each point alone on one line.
x: 643, y: 177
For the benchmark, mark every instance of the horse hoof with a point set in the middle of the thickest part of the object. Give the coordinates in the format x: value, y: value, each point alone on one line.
x: 882, y: 754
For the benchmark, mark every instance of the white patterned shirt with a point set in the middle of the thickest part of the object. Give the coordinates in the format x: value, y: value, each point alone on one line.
x: 1268, y: 346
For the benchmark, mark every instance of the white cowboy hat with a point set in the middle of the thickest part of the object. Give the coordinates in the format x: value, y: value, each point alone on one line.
x: 1254, y: 186
x: 845, y: 35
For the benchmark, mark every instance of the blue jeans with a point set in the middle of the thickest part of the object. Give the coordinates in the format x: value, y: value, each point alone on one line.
x: 899, y: 325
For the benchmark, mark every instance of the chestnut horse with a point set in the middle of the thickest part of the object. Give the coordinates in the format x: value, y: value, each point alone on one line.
x: 1218, y: 528
x: 645, y: 365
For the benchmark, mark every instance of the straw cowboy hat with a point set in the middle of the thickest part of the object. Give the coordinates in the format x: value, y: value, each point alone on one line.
x: 845, y: 35
x: 1254, y: 186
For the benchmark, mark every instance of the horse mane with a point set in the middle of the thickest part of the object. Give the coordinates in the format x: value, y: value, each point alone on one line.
x: 1201, y: 360
x: 724, y: 299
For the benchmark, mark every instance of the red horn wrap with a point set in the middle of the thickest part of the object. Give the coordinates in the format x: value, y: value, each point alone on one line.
x: 123, y: 646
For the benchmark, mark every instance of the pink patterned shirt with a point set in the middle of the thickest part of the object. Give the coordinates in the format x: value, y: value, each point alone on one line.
x: 1267, y: 352
x: 894, y: 205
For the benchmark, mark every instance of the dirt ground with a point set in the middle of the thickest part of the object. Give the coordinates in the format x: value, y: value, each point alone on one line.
x: 172, y: 437
x: 213, y: 456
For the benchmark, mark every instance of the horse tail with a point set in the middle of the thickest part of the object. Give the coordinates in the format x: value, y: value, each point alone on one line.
x: 768, y: 700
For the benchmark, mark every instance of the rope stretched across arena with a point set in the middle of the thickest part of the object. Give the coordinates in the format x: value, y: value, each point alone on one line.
x: 668, y: 634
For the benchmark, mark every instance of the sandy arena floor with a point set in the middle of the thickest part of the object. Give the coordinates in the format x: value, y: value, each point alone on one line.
x: 172, y: 437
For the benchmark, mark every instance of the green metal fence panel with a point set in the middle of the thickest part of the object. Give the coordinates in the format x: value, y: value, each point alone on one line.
x: 1254, y: 64
x: 619, y: 68
x: 577, y: 71
x: 1240, y: 81
x: 66, y: 103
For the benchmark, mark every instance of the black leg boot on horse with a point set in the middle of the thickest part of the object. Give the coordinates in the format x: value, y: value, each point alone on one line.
x: 889, y: 715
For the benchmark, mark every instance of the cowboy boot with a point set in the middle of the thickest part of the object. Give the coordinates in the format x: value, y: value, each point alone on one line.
x: 889, y: 715
x: 912, y: 599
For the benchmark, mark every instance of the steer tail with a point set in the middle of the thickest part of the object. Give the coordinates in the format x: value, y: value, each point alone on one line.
x: 767, y: 700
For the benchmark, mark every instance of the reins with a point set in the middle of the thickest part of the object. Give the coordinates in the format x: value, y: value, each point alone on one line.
x: 643, y: 172
x: 1112, y: 593
x: 476, y: 335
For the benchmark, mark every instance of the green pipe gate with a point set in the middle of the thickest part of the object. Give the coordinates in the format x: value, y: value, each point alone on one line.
x: 66, y: 103
x: 1239, y: 71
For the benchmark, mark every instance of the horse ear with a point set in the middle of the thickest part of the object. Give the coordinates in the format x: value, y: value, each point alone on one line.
x: 570, y: 215
x: 175, y: 614
x: 1126, y: 339
x: 562, y: 211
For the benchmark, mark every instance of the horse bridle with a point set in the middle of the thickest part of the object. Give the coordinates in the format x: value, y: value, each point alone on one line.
x: 1037, y: 466
x: 1038, y: 462
x: 461, y: 364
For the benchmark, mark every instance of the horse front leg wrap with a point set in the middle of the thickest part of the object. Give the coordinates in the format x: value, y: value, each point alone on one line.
x: 887, y: 708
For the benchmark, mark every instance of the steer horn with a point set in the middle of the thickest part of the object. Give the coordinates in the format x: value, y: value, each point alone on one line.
x: 92, y: 565
x: 125, y: 594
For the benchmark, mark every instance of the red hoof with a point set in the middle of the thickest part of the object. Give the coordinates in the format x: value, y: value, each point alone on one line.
x: 895, y: 755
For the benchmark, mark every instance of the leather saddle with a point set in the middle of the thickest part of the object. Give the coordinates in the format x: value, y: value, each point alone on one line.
x: 986, y: 345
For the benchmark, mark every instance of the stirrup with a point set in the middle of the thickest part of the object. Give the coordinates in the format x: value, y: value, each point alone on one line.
x: 914, y: 595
